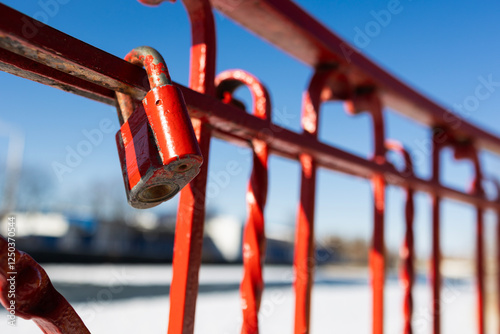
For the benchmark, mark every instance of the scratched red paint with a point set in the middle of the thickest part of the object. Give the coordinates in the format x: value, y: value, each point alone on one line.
x: 157, y: 144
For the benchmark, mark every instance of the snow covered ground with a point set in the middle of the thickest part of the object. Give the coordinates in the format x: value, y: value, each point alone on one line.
x: 134, y: 299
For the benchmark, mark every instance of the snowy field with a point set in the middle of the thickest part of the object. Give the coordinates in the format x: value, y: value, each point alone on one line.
x: 134, y: 299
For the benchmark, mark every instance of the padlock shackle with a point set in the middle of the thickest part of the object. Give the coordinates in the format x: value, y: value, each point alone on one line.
x: 156, y: 70
x: 154, y: 64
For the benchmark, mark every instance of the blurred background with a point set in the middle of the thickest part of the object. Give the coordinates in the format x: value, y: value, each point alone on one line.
x: 60, y: 173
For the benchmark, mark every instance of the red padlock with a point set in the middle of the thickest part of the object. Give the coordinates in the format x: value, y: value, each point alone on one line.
x: 158, y: 150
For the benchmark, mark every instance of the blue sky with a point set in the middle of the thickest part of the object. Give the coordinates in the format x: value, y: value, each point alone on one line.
x: 442, y: 49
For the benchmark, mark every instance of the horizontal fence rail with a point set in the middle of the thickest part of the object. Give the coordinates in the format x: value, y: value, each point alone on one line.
x: 54, y: 58
x: 287, y: 26
x: 42, y: 55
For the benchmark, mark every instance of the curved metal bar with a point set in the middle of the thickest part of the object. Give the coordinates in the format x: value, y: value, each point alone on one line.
x: 228, y: 81
x: 407, y: 250
x: 330, y: 84
x: 34, y: 296
x: 254, y: 241
x: 367, y: 99
x: 468, y: 151
x: 318, y: 92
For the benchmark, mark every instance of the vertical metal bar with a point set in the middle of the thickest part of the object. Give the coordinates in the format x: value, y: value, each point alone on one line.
x: 304, y: 251
x: 304, y: 246
x: 435, y: 263
x: 254, y: 240
x: 191, y: 213
x: 366, y: 99
x: 304, y: 235
x: 480, y: 270
x: 468, y: 151
x: 408, y: 258
x: 377, y: 258
x: 304, y: 259
x: 498, y: 258
x: 408, y: 249
x: 188, y: 245
x: 369, y: 101
x: 477, y: 188
x: 435, y: 274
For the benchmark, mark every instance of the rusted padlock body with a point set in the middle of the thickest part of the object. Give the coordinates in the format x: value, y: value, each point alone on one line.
x: 157, y: 146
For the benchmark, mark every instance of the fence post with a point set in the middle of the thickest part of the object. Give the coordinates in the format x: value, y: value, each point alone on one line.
x: 191, y: 213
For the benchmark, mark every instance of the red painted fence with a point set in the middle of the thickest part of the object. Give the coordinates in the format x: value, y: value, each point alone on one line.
x: 341, y: 73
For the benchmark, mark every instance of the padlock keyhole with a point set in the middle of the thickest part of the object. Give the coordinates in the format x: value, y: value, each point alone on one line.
x: 182, y: 168
x: 157, y: 193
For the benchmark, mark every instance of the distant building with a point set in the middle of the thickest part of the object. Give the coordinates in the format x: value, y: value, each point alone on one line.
x: 37, y: 224
x: 145, y: 237
x: 225, y: 234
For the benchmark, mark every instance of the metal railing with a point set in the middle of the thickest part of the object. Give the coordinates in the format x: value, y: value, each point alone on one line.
x: 341, y: 74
